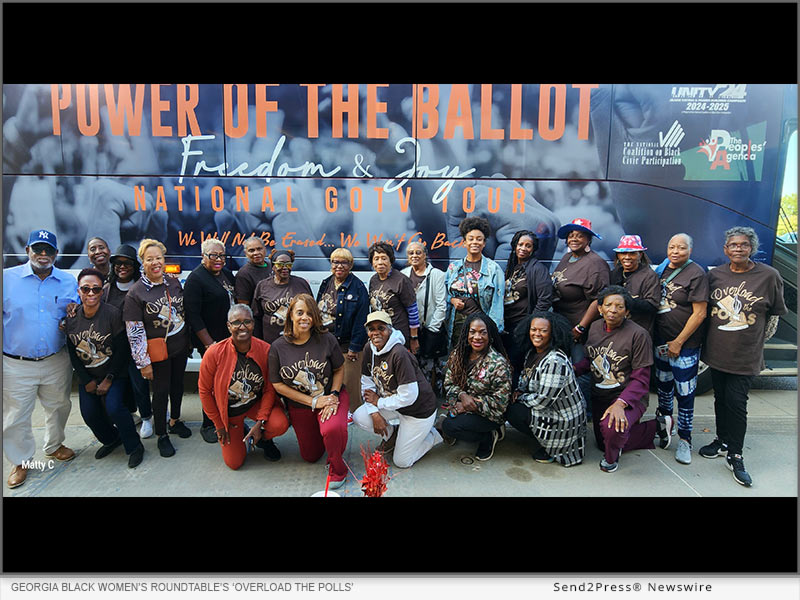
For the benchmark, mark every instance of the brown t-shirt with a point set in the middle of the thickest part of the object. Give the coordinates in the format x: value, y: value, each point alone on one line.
x: 395, y: 368
x: 690, y: 285
x: 739, y: 307
x: 309, y: 367
x: 93, y: 338
x: 516, y: 298
x: 247, y: 385
x: 394, y: 295
x: 271, y: 304
x: 159, y: 312
x: 614, y: 355
x: 465, y: 287
x: 643, y: 285
x: 327, y: 305
x: 247, y: 279
x: 577, y: 284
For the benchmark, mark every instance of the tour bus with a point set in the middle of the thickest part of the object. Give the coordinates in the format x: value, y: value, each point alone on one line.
x: 313, y: 167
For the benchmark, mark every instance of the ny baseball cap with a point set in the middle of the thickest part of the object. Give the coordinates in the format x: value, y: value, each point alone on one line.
x: 42, y: 236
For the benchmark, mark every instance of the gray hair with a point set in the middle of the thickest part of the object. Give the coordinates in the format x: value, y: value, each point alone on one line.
x: 687, y: 237
x: 748, y: 232
x: 208, y: 242
x: 236, y: 308
x: 254, y: 238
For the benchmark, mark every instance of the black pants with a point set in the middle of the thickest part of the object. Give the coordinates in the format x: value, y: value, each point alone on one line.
x: 470, y: 428
x: 516, y: 355
x: 168, y: 385
x: 519, y: 416
x: 206, y: 421
x: 730, y: 407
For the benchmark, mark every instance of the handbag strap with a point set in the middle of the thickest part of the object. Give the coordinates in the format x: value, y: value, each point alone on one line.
x: 169, y: 309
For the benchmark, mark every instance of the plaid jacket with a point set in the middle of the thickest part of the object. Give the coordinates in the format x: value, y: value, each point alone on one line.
x: 558, y: 416
x: 489, y: 382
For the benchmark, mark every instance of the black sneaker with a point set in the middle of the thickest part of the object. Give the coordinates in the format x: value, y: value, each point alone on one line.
x: 107, y: 449
x: 714, y: 449
x: 180, y: 429
x: 736, y: 465
x: 271, y: 452
x: 541, y: 456
x: 664, y: 430
x: 135, y: 457
x: 209, y: 434
x: 165, y: 447
x: 486, y: 453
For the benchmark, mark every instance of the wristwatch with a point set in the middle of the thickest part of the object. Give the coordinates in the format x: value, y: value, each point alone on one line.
x: 335, y: 393
x: 580, y: 328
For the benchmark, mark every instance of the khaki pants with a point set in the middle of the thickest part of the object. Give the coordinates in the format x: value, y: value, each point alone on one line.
x: 352, y: 378
x: 23, y: 381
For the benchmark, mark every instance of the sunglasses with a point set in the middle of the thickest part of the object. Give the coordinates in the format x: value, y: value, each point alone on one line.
x: 43, y: 248
x: 96, y: 290
x: 122, y: 263
x: 283, y: 265
x: 237, y: 324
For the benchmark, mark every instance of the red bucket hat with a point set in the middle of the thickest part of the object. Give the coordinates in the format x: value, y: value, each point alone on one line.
x: 630, y: 243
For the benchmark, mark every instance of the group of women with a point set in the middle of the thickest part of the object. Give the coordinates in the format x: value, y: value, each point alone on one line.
x: 543, y: 353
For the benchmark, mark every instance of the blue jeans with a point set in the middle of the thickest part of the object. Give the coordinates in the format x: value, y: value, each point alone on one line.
x: 141, y: 391
x: 108, y: 417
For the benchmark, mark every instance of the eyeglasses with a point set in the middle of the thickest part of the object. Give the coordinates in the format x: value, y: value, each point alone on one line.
x: 43, y: 248
x: 742, y: 246
x: 91, y: 290
x: 216, y: 256
x: 238, y: 323
x: 339, y: 263
x: 283, y: 265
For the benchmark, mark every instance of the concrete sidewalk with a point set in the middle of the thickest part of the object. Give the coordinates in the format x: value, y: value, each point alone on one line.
x: 197, y: 468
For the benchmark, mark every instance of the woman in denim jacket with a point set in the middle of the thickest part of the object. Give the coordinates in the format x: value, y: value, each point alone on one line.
x: 343, y: 301
x: 474, y: 283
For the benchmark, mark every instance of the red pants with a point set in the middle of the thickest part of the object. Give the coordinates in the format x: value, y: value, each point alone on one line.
x: 315, y: 438
x: 234, y: 452
x: 637, y: 436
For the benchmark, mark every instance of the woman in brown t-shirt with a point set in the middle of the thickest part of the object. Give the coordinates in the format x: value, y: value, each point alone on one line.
x: 393, y: 292
x: 153, y: 310
x: 272, y: 296
x: 632, y: 271
x: 745, y: 296
x: 306, y: 367
x: 619, y: 356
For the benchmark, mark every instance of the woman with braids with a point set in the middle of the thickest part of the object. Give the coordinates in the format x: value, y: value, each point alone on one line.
x: 477, y: 386
x: 393, y: 292
x: 272, y: 296
x: 474, y: 283
x: 619, y: 354
x: 528, y: 289
x: 632, y: 271
x: 547, y: 404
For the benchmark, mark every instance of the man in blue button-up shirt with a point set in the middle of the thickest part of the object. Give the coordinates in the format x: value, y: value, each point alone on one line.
x: 35, y: 359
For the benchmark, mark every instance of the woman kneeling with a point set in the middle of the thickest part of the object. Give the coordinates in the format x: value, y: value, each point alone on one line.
x: 548, y: 405
x: 477, y: 386
x: 619, y: 356
x: 234, y: 384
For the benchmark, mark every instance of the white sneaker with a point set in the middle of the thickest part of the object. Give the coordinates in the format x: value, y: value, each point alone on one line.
x: 683, y: 454
x: 147, y: 428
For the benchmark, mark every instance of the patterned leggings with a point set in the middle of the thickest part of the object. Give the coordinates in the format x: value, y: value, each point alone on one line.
x: 678, y: 377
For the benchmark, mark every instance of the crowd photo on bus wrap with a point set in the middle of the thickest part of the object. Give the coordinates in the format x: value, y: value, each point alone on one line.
x: 417, y: 357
